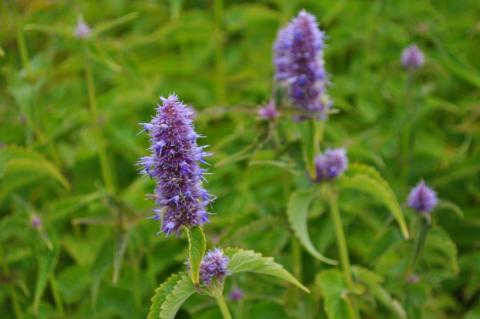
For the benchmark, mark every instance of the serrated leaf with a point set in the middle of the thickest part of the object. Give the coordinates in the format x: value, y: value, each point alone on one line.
x: 373, y: 283
x: 38, y: 167
x: 196, y: 249
x: 182, y: 290
x: 46, y: 263
x: 250, y: 261
x: 379, y: 188
x: 297, y: 213
x: 161, y: 294
x: 334, y: 290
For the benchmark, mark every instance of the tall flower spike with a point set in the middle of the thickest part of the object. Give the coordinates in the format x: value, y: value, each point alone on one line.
x: 213, y: 266
x: 422, y: 198
x: 174, y: 165
x: 412, y: 58
x: 300, y: 65
x: 331, y: 164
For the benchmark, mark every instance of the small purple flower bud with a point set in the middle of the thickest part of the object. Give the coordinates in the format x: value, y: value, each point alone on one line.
x: 412, y: 58
x: 236, y: 294
x: 174, y: 165
x: 36, y: 222
x: 422, y: 198
x: 82, y: 29
x: 299, y: 64
x: 412, y: 279
x: 268, y: 112
x: 331, y: 164
x: 213, y: 266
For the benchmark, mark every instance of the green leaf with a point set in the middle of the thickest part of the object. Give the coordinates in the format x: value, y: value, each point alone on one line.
x: 297, y: 213
x: 370, y: 182
x: 250, y: 261
x: 334, y: 290
x: 373, y: 283
x: 196, y: 249
x: 38, y: 167
x: 161, y: 294
x: 182, y: 290
x: 46, y: 263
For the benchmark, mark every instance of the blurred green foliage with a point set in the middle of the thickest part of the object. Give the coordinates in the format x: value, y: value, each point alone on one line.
x: 69, y: 114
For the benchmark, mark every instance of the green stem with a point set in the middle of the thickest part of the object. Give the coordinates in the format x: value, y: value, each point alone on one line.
x: 22, y: 46
x: 407, y: 126
x: 56, y: 294
x: 223, y: 307
x: 219, y: 62
x: 104, y: 162
x: 342, y: 245
x: 419, y: 243
x: 297, y: 258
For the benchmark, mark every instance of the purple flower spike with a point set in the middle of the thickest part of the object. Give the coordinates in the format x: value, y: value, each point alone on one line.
x: 213, y: 266
x: 331, y: 164
x: 82, y: 30
x: 268, y: 112
x: 236, y: 294
x: 174, y: 165
x: 300, y: 65
x: 412, y: 58
x: 422, y: 198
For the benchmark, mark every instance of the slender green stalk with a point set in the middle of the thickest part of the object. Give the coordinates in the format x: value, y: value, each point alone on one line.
x: 407, y: 126
x: 342, y: 245
x: 223, y: 307
x: 418, y: 245
x: 219, y: 61
x: 22, y: 46
x: 104, y: 162
x: 297, y: 258
x: 56, y: 294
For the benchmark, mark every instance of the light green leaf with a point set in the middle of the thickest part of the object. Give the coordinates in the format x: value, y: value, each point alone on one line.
x: 372, y: 183
x: 46, y: 263
x: 297, y: 213
x: 182, y: 290
x: 161, y: 294
x: 196, y: 249
x: 37, y: 167
x: 373, y: 283
x: 334, y: 290
x: 250, y: 261
x: 448, y: 205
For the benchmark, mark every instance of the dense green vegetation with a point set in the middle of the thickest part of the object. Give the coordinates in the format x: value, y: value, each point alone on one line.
x: 69, y: 144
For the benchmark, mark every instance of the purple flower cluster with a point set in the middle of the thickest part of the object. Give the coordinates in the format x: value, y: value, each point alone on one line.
x: 412, y: 58
x: 174, y: 165
x: 299, y: 64
x: 422, y: 198
x: 331, y: 164
x: 213, y: 266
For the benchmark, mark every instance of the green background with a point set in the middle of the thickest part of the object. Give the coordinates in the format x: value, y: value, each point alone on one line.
x: 97, y: 256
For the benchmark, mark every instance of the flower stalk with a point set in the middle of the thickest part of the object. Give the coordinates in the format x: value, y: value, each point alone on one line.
x: 342, y: 247
x: 223, y: 307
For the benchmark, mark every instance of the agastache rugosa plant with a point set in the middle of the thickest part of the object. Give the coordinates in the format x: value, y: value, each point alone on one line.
x: 174, y: 164
x: 300, y: 74
x: 422, y: 199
